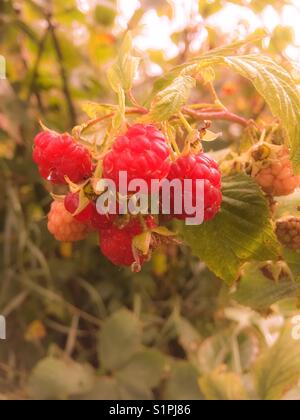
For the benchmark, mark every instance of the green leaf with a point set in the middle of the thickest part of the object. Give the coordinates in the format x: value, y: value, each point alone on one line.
x: 53, y: 378
x: 278, y: 369
x: 123, y: 71
x: 170, y: 100
x: 259, y: 292
x: 105, y: 15
x: 105, y: 388
x: 222, y: 386
x: 241, y: 231
x: 280, y: 92
x: 146, y: 366
x: 293, y: 261
x: 119, y: 340
x: 182, y: 383
x: 94, y: 110
x: 271, y: 81
x: 188, y: 337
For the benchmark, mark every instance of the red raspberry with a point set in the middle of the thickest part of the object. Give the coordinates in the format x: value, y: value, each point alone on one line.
x: 89, y: 214
x: 58, y: 155
x: 276, y: 174
x: 71, y: 205
x: 142, y: 152
x: 116, y: 244
x: 63, y: 226
x: 202, y: 167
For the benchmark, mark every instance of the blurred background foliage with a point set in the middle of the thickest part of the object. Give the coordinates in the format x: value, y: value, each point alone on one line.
x: 69, y: 332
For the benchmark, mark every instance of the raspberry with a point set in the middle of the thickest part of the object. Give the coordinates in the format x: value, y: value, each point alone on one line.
x: 142, y: 152
x: 116, y: 244
x: 71, y: 205
x: 198, y: 167
x: 58, y: 155
x: 276, y: 175
x: 89, y: 214
x: 63, y: 226
x: 288, y: 232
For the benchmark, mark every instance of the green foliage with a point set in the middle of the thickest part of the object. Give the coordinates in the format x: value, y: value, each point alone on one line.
x: 259, y: 292
x: 122, y: 73
x: 222, y: 386
x: 278, y: 369
x: 174, y: 331
x: 240, y: 232
x: 121, y: 331
x: 58, y: 379
x: 170, y: 100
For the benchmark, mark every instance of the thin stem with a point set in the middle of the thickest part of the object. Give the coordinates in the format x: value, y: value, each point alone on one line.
x: 35, y: 72
x: 63, y: 72
x: 217, y: 115
x: 135, y: 102
x: 185, y: 122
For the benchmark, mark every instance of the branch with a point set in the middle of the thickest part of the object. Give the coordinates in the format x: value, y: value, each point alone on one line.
x: 35, y: 72
x: 217, y: 115
x: 63, y: 72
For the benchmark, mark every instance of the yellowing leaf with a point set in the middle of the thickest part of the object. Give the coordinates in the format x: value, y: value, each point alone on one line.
x: 35, y: 331
x: 210, y: 136
x: 142, y: 242
x: 94, y: 110
x: 222, y: 386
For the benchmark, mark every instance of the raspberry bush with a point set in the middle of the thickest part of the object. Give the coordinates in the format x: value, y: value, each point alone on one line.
x: 114, y: 293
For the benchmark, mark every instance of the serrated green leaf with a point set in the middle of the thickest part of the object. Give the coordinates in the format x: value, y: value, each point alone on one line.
x: 53, y: 378
x: 237, y: 233
x: 222, y: 386
x: 170, y: 100
x: 122, y: 331
x: 272, y: 82
x: 123, y: 71
x: 280, y: 92
x: 259, y: 292
x: 278, y: 369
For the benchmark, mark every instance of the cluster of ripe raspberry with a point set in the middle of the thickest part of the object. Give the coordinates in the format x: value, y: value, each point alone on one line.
x: 143, y: 153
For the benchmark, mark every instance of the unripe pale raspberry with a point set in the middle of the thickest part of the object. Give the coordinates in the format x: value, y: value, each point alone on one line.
x: 142, y: 152
x: 276, y: 175
x: 58, y: 155
x: 117, y: 244
x: 198, y: 167
x: 63, y: 226
x: 288, y: 232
